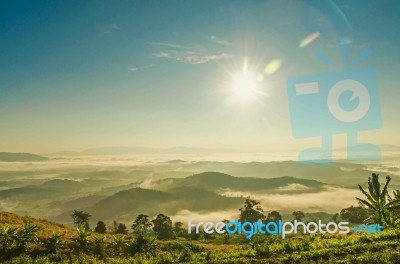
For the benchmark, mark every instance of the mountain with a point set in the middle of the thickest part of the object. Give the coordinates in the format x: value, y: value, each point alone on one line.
x: 137, y: 200
x: 200, y: 193
x: 48, y: 190
x: 216, y: 182
x: 142, y: 150
x: 8, y: 156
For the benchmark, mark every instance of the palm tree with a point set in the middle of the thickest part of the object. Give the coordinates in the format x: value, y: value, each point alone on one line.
x: 81, y: 219
x: 377, y: 201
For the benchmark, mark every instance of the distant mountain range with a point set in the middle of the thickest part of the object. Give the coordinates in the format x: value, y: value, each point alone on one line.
x: 198, y: 193
x: 217, y: 182
x: 8, y: 156
x: 175, y: 150
x: 142, y: 150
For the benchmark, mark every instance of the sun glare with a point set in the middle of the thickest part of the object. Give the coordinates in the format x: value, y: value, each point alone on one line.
x: 245, y: 87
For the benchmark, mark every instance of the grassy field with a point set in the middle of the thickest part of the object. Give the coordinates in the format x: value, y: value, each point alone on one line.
x: 109, y: 248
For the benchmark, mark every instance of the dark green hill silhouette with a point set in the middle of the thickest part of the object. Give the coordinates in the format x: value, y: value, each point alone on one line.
x: 8, y: 156
x: 50, y: 189
x: 216, y: 181
x: 151, y: 202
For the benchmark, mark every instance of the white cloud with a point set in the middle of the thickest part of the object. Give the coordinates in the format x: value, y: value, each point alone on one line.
x: 111, y: 28
x: 134, y: 69
x: 220, y: 41
x: 188, y: 54
x: 192, y: 57
x: 331, y: 200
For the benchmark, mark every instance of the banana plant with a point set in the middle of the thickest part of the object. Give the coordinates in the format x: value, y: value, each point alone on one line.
x: 119, y: 243
x: 54, y: 243
x: 25, y: 235
x: 83, y: 240
x: 378, y: 201
x: 7, y: 237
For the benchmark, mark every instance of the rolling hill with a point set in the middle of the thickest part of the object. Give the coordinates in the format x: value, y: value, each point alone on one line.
x: 13, y: 157
x: 196, y: 193
x: 216, y: 182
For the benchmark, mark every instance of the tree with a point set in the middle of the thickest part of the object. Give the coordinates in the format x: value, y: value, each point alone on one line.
x: 162, y: 227
x: 144, y: 245
x: 179, y: 230
x: 335, y: 217
x: 81, y: 219
x: 121, y: 229
x: 377, y: 201
x: 274, y: 216
x: 355, y: 215
x: 141, y: 225
x: 298, y: 216
x: 100, y: 228
x: 251, y: 211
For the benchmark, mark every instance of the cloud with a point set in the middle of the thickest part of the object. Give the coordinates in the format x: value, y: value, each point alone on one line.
x: 111, y: 28
x: 184, y: 216
x: 188, y: 54
x: 135, y: 69
x: 293, y: 187
x: 172, y: 45
x: 331, y: 200
x: 220, y: 41
x: 191, y: 57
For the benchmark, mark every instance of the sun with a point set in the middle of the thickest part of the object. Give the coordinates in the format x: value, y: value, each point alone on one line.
x: 245, y: 86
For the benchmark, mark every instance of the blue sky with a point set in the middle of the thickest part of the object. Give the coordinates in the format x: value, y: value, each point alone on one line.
x: 80, y: 74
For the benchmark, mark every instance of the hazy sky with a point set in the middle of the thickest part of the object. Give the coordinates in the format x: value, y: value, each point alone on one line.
x: 80, y: 74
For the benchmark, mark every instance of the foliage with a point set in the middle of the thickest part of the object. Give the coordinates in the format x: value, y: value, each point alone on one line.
x: 162, y: 227
x: 53, y: 243
x: 298, y: 216
x: 274, y: 216
x: 377, y: 201
x: 251, y: 211
x: 7, y: 237
x: 83, y: 240
x: 141, y: 225
x: 355, y: 214
x: 120, y: 228
x: 81, y: 219
x: 100, y: 227
x: 25, y: 235
x: 144, y: 245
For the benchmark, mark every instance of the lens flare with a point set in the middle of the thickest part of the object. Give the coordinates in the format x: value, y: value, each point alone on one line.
x: 273, y: 66
x: 310, y: 38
